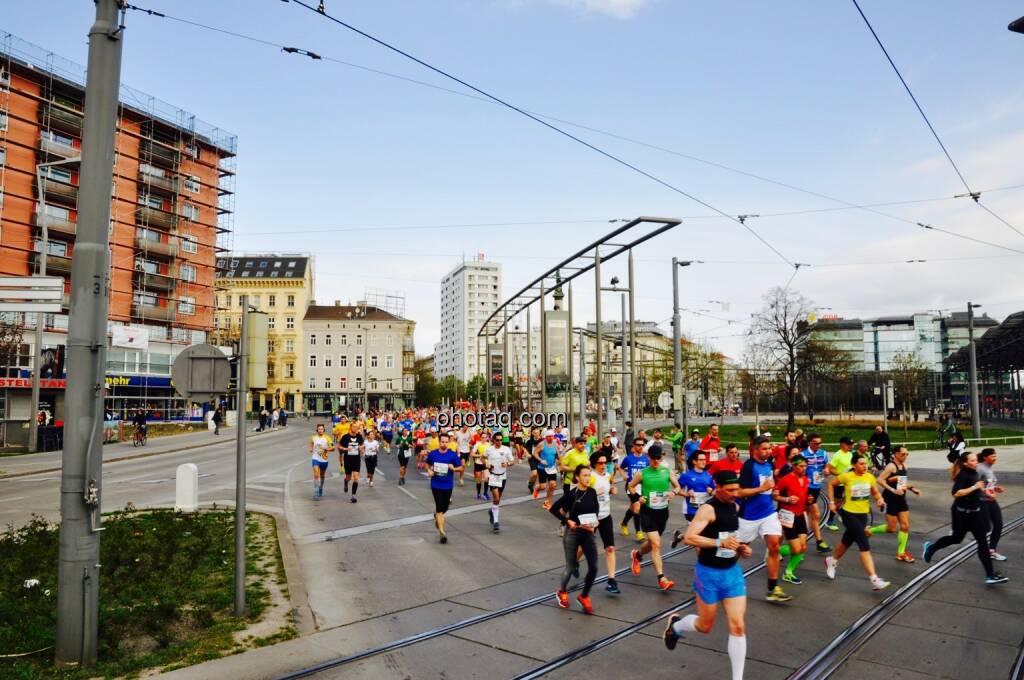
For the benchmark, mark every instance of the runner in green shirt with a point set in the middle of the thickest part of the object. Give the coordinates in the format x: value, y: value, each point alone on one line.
x: 676, y: 438
x: 657, y: 486
x: 840, y: 464
x: 404, y: 443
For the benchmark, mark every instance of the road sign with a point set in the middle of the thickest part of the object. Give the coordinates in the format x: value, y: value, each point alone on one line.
x: 664, y: 401
x: 616, y: 401
x: 31, y: 294
x: 201, y: 373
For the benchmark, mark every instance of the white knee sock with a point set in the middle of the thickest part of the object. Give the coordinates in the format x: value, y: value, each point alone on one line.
x: 685, y: 625
x: 737, y: 655
x: 494, y: 512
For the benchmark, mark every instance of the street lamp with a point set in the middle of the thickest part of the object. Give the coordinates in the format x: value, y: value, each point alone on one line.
x: 973, y: 374
x: 37, y: 350
x: 1017, y: 25
x: 677, y: 367
x: 626, y: 366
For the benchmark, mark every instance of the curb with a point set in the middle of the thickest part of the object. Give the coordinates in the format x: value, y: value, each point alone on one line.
x: 126, y: 457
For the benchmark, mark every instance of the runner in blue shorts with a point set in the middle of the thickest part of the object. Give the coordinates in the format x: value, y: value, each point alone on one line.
x: 718, y: 577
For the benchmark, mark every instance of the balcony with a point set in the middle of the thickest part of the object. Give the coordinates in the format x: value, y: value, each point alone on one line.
x: 152, y: 248
x: 55, y: 225
x: 60, y: 149
x: 62, y: 119
x: 154, y: 217
x: 157, y: 184
x: 62, y: 191
x: 55, y: 264
x: 148, y: 282
x: 157, y: 153
x: 153, y: 313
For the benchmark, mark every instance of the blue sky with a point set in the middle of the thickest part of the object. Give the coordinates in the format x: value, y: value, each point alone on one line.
x: 796, y: 91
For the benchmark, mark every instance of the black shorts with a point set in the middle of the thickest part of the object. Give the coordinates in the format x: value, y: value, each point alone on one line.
x: 543, y: 477
x: 894, y: 504
x: 840, y: 494
x: 479, y: 467
x: 633, y: 497
x: 856, y: 523
x: 351, y: 464
x: 653, y: 520
x: 533, y: 463
x: 798, y: 529
x: 464, y: 455
x: 442, y: 499
x: 813, y: 495
x: 689, y: 516
x: 371, y: 465
x: 403, y: 458
x: 606, y: 528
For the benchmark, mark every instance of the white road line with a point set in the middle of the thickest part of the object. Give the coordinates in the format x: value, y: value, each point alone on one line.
x: 402, y: 521
x: 407, y: 492
x: 9, y: 500
x: 260, y: 487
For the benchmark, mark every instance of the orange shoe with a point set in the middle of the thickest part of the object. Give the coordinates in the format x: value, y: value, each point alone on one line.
x: 635, y: 555
x: 906, y: 557
x: 546, y: 505
x: 585, y: 603
x: 563, y: 598
x: 536, y: 493
x: 666, y: 584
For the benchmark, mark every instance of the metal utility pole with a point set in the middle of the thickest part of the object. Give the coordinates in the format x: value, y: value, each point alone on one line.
x: 973, y: 376
x: 597, y: 339
x: 504, y: 355
x: 636, y: 407
x: 81, y: 471
x: 624, y: 378
x: 529, y: 363
x: 583, y: 373
x: 677, y: 350
x: 568, y: 366
x: 242, y: 404
x: 543, y: 352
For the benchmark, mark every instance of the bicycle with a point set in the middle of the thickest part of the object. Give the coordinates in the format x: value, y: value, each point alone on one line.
x: 140, y: 437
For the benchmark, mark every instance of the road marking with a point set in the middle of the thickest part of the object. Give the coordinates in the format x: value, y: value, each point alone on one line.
x: 402, y: 521
x: 407, y: 492
x: 8, y: 500
x: 260, y: 487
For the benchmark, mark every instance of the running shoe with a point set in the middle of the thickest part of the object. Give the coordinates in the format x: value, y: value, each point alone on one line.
x: 635, y: 556
x: 996, y: 556
x: 640, y: 535
x: 666, y: 583
x: 536, y: 493
x: 676, y: 537
x: 613, y: 587
x: 824, y: 547
x: 563, y: 598
x: 462, y: 482
x: 791, y: 578
x: 487, y: 496
x: 371, y: 483
x: 995, y: 579
x: 832, y: 526
x: 497, y: 527
x: 830, y: 567
x: 546, y: 505
x: 624, y: 529
x: 354, y: 499
x: 479, y: 497
x: 926, y: 552
x: 878, y: 583
x: 670, y: 636
x: 585, y: 603
x: 905, y: 557
x: 443, y: 537
x: 776, y: 594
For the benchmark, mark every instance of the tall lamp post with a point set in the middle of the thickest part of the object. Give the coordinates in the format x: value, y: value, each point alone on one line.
x: 677, y: 369
x: 37, y: 349
x: 973, y: 374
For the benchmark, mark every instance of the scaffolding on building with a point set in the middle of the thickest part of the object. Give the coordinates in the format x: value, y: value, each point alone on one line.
x: 391, y: 301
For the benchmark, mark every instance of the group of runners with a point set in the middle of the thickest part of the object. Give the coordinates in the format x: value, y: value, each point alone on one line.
x: 728, y: 501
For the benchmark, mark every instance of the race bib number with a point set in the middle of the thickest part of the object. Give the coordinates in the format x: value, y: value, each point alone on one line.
x: 786, y: 518
x: 699, y: 499
x: 551, y: 470
x: 440, y: 468
x: 901, y: 482
x: 712, y: 456
x: 860, y: 492
x: 496, y: 479
x: 658, y: 500
x: 763, y: 479
x: 726, y: 553
x: 604, y: 504
x: 818, y: 477
x: 588, y: 520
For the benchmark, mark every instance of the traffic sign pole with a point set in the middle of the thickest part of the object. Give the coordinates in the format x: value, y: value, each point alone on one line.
x: 241, y: 397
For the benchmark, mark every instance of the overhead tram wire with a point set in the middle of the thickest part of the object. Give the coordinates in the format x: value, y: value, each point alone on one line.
x: 546, y: 124
x: 974, y: 195
x: 845, y: 205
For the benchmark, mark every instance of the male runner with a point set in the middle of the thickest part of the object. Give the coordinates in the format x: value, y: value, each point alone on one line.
x: 349, y: 448
x: 547, y: 453
x: 816, y: 458
x: 404, y: 443
x: 657, y: 486
x: 575, y: 456
x: 499, y: 459
x: 711, y: 444
x: 462, y: 440
x: 757, y: 512
x: 791, y: 494
x: 633, y: 463
x: 479, y: 455
x: 442, y: 464
x: 839, y: 464
x: 730, y: 462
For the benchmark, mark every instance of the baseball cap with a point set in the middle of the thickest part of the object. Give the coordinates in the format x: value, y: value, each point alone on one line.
x: 723, y: 477
x: 614, y: 430
x: 766, y: 433
x: 580, y: 440
x: 845, y: 440
x: 694, y: 431
x: 549, y: 433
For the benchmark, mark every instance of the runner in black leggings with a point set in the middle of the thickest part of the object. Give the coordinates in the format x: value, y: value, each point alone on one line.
x: 968, y: 516
x: 578, y: 510
x: 989, y: 503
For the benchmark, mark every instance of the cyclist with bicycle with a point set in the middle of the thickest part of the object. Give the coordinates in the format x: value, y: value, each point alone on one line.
x: 139, y: 421
x: 881, y: 448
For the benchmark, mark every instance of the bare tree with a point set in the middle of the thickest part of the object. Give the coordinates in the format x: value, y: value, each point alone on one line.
x: 11, y: 345
x: 757, y: 377
x: 909, y: 375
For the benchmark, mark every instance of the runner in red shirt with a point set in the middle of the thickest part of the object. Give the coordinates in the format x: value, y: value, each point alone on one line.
x: 781, y: 451
x: 791, y: 494
x: 730, y: 462
x: 711, y: 444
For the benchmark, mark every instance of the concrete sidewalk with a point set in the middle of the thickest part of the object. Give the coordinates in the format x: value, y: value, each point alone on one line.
x: 50, y: 461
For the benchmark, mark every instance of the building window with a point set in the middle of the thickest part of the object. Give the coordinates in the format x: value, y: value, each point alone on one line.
x: 289, y: 346
x: 3, y: 120
x: 188, y: 273
x: 291, y: 301
x: 192, y: 149
x: 57, y: 212
x: 151, y: 201
x: 312, y: 361
x: 3, y: 156
x: 312, y: 338
x: 328, y: 359
x: 391, y: 340
x: 270, y: 347
x: 373, y: 338
x: 389, y: 361
x: 254, y: 300
x: 145, y: 299
x: 312, y: 382
x: 187, y: 305
x: 327, y: 339
x: 359, y: 361
x: 289, y: 370
x: 189, y: 243
x: 53, y: 172
x: 270, y: 369
x: 193, y: 184
x: 359, y: 339
x: 190, y: 212
x: 359, y: 383
x: 271, y: 301
x: 327, y: 383
x: 373, y: 361
x: 146, y: 266
x: 271, y: 322
x: 391, y: 385
x: 343, y: 383
x: 344, y: 339
x: 343, y: 360
x: 289, y: 322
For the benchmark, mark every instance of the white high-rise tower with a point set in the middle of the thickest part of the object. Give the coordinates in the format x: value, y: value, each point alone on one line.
x: 469, y: 294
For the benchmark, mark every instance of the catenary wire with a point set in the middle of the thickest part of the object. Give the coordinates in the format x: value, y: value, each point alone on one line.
x: 846, y: 205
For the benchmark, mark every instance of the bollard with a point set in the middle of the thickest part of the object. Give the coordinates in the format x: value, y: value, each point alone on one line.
x: 186, y: 488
